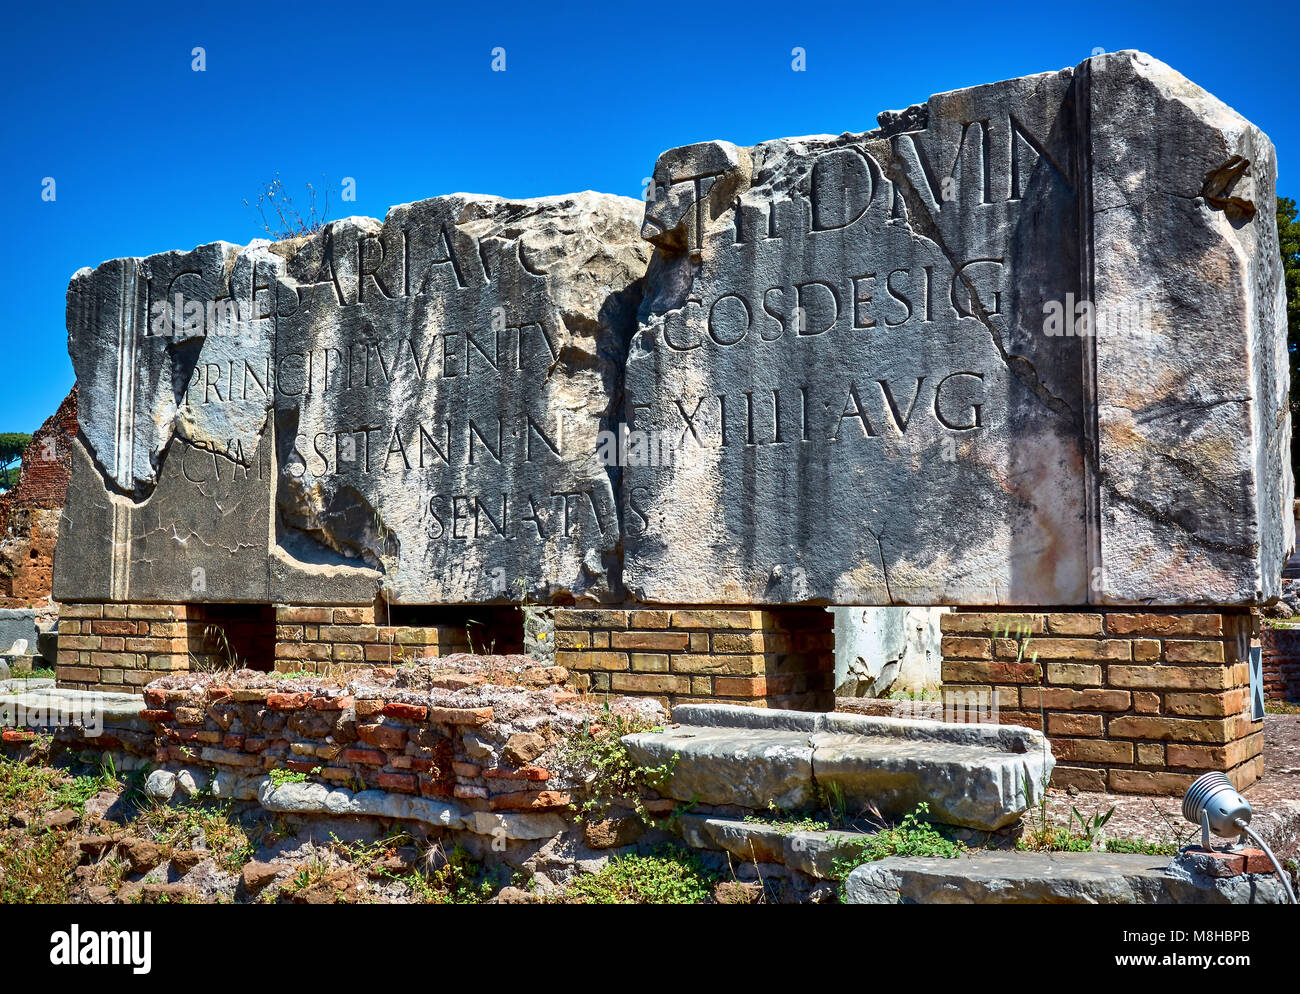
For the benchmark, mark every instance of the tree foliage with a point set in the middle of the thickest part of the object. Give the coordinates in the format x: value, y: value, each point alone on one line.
x: 12, y: 444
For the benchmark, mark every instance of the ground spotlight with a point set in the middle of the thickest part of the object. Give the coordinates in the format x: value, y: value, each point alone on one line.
x: 1215, y: 804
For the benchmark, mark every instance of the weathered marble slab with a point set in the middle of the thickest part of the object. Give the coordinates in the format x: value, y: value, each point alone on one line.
x: 171, y: 476
x: 414, y: 403
x: 1021, y: 344
x: 857, y: 370
x: 442, y: 380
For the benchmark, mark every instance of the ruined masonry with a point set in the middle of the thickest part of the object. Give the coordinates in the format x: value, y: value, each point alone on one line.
x: 1020, y: 350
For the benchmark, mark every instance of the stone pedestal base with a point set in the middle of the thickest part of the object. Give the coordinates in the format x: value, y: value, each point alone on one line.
x: 1133, y: 702
x: 116, y: 647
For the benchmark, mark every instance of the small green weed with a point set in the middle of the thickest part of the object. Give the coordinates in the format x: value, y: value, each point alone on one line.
x: 668, y: 876
x: 912, y: 837
x: 616, y: 777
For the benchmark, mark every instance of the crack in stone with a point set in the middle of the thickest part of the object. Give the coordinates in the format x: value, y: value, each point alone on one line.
x: 1250, y: 551
x: 921, y: 223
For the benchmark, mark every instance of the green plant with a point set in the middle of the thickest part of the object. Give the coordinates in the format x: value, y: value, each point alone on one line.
x: 280, y: 776
x: 469, y: 637
x: 1142, y: 847
x: 172, y: 826
x: 611, y: 775
x: 33, y: 674
x: 35, y: 870
x: 224, y: 658
x: 788, y: 821
x: 836, y: 803
x: 535, y: 618
x: 1091, y: 827
x: 1049, y: 837
x: 913, y: 836
x: 458, y: 881
x: 667, y: 876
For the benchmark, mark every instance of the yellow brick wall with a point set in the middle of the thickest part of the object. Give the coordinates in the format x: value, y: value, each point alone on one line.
x: 768, y: 658
x: 1132, y: 701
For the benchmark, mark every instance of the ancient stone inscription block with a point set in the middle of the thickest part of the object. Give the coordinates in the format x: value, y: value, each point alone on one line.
x: 441, y: 383
x: 171, y: 474
x: 413, y: 405
x: 1020, y: 344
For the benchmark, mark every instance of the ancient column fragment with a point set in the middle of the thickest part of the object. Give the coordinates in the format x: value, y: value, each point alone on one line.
x: 1021, y: 344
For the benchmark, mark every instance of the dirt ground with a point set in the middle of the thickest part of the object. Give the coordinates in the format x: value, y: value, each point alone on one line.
x: 1275, y: 800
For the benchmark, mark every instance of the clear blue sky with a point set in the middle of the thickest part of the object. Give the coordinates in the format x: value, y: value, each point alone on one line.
x: 148, y: 155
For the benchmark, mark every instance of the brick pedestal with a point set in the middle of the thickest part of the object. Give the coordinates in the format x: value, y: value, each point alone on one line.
x: 1281, y: 652
x: 1134, y: 702
x: 121, y: 647
x: 782, y: 658
x: 328, y: 639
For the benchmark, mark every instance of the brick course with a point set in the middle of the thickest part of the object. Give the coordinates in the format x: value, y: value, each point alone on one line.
x: 1281, y: 650
x: 328, y: 639
x: 122, y: 647
x: 781, y: 658
x: 1134, y: 702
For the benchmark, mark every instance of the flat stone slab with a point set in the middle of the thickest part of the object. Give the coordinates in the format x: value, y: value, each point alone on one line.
x: 748, y: 767
x: 18, y: 631
x: 20, y: 685
x: 975, y: 776
x: 45, y: 705
x: 813, y: 852
x: 1049, y: 878
x: 971, y: 785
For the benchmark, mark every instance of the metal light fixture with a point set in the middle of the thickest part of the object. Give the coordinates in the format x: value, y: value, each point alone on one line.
x: 1215, y: 804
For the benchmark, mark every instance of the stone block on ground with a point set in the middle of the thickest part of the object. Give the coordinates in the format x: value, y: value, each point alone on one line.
x: 976, y: 776
x: 1048, y: 878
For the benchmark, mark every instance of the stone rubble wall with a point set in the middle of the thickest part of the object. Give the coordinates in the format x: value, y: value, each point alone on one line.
x: 477, y: 751
x: 467, y: 736
x: 1133, y: 702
